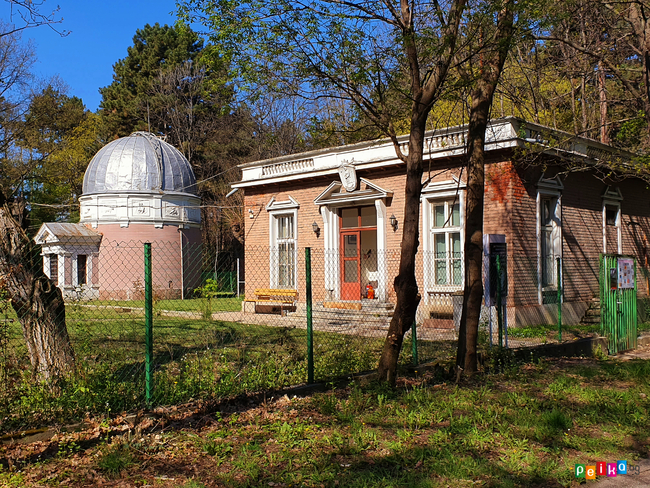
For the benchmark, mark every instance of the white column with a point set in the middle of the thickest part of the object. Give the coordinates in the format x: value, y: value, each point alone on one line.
x: 331, y: 258
x: 380, y: 205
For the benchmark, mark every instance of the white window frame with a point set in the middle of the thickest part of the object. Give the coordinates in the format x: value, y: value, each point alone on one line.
x: 612, y: 198
x: 549, y: 189
x: 277, y: 211
x: 432, y: 194
x: 51, y: 257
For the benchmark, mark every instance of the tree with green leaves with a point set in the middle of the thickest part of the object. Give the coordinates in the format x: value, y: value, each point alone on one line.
x: 38, y: 303
x: 155, y: 48
x: 386, y: 59
x: 50, y: 125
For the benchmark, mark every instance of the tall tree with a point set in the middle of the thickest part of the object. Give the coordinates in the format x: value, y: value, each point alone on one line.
x: 37, y: 302
x: 494, y: 31
x: 126, y: 100
x: 609, y: 42
x: 383, y: 58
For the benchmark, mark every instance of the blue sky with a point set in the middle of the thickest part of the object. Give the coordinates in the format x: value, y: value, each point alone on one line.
x: 101, y: 31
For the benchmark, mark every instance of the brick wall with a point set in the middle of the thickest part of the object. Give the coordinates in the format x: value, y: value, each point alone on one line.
x: 510, y: 208
x: 121, y: 260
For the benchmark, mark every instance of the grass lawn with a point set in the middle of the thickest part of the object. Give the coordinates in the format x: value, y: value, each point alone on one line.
x: 220, y: 304
x: 524, y: 426
x: 193, y: 359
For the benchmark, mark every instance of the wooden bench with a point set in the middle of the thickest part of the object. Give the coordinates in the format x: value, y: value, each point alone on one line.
x: 275, y: 300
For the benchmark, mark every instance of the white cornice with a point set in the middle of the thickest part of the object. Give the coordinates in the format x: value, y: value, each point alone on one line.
x: 613, y: 194
x: 506, y: 133
x: 135, y: 208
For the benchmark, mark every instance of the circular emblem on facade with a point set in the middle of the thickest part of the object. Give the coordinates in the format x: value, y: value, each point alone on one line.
x: 348, y: 175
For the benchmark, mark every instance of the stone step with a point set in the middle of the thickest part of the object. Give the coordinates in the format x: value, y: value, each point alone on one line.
x: 590, y: 320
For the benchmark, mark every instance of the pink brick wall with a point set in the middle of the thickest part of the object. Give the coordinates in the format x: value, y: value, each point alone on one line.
x: 121, y: 260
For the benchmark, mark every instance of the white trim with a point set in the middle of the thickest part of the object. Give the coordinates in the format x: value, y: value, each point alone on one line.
x: 382, y: 268
x: 334, y: 198
x: 284, y: 205
x: 433, y: 192
x: 273, y: 235
x: 140, y: 208
x: 444, y: 187
x: 613, y: 198
x: 550, y: 185
x: 331, y: 243
x: 548, y: 188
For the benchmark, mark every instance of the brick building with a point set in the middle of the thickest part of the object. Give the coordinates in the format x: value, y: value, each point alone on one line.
x: 346, y: 204
x: 136, y: 189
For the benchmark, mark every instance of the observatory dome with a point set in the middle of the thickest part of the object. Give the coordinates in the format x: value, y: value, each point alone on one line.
x: 140, y: 162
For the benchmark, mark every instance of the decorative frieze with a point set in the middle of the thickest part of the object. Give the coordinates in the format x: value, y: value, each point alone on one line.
x: 288, y: 167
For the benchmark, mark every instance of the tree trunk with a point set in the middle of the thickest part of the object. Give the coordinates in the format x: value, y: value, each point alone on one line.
x: 482, y: 97
x: 424, y: 93
x: 473, y: 249
x: 604, y: 129
x: 406, y: 288
x: 37, y: 301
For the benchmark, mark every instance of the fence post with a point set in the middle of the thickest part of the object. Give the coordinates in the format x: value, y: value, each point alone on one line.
x: 414, y: 343
x: 238, y: 275
x: 148, y: 324
x: 310, y: 331
x: 559, y: 299
x: 499, y: 304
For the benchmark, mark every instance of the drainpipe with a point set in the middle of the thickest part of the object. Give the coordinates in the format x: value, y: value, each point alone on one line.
x: 180, y: 233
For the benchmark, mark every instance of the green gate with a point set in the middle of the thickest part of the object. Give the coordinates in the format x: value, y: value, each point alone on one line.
x: 618, y: 301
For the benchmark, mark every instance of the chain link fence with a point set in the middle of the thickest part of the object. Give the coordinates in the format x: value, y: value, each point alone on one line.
x: 219, y: 326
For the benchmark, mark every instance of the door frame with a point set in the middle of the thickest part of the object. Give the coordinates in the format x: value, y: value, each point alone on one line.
x: 350, y: 290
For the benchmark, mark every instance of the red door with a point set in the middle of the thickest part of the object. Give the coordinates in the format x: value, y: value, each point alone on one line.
x: 350, y: 265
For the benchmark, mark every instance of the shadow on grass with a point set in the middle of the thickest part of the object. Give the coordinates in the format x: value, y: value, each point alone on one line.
x: 226, y: 338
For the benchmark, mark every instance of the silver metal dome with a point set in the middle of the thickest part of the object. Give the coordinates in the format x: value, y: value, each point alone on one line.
x: 140, y: 162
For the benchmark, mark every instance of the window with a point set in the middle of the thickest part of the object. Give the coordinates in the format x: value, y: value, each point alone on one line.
x: 286, y: 248
x: 81, y: 269
x: 54, y: 268
x: 612, y: 232
x: 355, y: 217
x: 283, y: 237
x: 547, y: 235
x: 443, y: 220
x: 611, y: 216
x: 446, y: 242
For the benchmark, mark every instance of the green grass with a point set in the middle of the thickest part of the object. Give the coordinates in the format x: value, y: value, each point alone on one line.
x: 551, y: 331
x: 220, y: 304
x: 193, y: 358
x: 526, y: 426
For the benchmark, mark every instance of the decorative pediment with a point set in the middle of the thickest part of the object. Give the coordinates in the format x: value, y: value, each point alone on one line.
x: 553, y: 184
x: 52, y: 233
x: 333, y: 195
x: 283, y: 205
x: 613, y: 194
x: 44, y: 236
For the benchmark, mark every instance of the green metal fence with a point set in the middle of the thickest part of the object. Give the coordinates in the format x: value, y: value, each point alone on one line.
x: 618, y: 296
x: 149, y: 328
